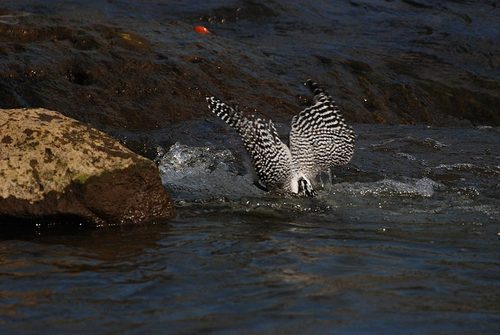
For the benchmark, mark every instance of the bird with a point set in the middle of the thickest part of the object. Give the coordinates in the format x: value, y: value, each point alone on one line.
x: 319, y: 139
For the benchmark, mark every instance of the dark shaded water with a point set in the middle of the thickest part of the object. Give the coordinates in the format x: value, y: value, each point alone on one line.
x: 405, y: 241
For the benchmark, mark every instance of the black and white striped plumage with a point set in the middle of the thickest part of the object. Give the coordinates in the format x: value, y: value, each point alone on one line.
x: 319, y: 139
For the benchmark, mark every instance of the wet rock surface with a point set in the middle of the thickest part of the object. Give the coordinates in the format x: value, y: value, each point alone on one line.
x: 130, y: 67
x: 57, y: 169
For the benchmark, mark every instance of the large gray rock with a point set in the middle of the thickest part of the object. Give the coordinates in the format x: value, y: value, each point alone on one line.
x: 53, y: 167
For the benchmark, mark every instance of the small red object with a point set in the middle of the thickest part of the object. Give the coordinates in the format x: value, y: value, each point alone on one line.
x: 201, y: 30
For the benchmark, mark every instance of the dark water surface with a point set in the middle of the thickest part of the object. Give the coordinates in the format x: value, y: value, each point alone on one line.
x: 405, y: 241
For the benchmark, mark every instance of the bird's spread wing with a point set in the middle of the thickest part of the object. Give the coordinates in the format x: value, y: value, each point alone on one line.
x: 271, y: 157
x: 319, y: 136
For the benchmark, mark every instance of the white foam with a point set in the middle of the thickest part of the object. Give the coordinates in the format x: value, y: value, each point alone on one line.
x: 423, y: 187
x: 203, y: 173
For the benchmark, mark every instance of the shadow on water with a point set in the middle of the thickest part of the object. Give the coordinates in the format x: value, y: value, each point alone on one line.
x: 232, y: 271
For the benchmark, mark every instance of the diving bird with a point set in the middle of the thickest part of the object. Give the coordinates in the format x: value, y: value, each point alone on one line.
x: 319, y: 139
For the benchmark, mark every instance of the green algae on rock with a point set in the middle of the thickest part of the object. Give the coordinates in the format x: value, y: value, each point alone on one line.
x: 54, y: 166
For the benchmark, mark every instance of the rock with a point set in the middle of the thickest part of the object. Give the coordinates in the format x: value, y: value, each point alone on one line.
x: 101, y: 68
x: 54, y: 167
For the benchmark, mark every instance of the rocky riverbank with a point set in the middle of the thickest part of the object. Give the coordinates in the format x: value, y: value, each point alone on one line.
x: 124, y: 66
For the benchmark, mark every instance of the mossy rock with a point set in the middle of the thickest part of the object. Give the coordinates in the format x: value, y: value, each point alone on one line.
x: 54, y: 166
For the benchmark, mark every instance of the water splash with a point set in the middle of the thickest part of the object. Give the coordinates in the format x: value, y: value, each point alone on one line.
x: 423, y: 187
x: 203, y: 173
x: 208, y: 180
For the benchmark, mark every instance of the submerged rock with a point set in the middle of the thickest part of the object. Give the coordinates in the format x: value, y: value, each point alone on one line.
x: 52, y: 166
x: 140, y: 67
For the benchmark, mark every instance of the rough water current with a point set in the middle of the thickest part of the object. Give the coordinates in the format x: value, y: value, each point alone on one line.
x: 399, y: 173
x: 405, y: 239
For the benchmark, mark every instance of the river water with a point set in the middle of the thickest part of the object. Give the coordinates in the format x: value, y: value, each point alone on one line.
x: 404, y: 240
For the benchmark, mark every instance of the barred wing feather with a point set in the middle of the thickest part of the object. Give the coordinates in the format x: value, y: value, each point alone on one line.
x: 270, y: 156
x: 319, y: 136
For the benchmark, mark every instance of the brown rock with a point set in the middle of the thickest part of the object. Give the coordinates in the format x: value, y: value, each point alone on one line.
x: 55, y: 167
